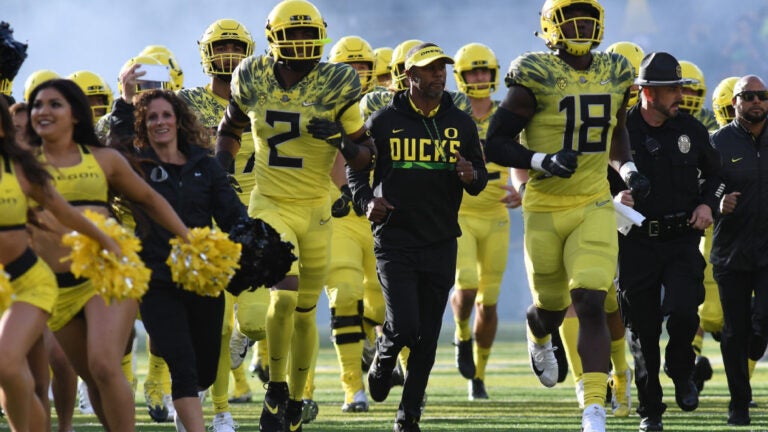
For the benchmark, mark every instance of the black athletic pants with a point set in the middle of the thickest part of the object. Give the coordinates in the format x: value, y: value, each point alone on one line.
x: 185, y: 330
x: 416, y: 284
x: 744, y: 327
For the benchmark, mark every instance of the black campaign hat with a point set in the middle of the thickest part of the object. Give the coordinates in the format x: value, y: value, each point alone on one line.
x: 660, y: 69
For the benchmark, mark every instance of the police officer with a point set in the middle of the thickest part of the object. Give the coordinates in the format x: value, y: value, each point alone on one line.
x: 671, y: 148
x: 740, y: 264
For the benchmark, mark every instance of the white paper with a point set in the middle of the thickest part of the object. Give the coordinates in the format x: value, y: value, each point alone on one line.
x: 626, y: 216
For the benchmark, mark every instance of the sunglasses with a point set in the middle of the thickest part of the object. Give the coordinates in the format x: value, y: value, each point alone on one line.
x: 749, y: 95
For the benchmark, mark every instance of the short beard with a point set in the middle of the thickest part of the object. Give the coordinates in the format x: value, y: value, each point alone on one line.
x: 752, y: 119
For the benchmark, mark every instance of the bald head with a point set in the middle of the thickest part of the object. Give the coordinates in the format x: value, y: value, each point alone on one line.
x: 750, y: 100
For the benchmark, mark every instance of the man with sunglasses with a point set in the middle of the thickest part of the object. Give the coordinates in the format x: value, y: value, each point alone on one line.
x: 740, y: 265
x: 673, y: 150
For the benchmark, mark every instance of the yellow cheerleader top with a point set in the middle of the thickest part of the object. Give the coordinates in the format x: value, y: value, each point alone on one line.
x: 84, y: 183
x: 13, y: 201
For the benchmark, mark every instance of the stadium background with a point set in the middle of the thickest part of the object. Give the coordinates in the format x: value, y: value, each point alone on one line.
x: 722, y: 38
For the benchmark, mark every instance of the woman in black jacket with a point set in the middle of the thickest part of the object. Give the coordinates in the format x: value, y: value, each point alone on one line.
x: 185, y: 328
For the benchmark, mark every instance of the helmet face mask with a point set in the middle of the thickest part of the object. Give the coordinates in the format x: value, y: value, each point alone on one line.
x: 96, y: 89
x: 722, y: 101
x: 223, y: 46
x: 472, y: 57
x: 634, y: 53
x: 356, y: 52
x: 575, y: 26
x: 693, y: 94
x: 397, y: 65
x: 296, y: 34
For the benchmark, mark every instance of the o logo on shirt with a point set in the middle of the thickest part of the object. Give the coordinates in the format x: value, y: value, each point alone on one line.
x: 451, y: 133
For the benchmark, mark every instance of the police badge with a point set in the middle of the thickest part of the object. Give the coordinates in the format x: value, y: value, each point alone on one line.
x: 684, y: 144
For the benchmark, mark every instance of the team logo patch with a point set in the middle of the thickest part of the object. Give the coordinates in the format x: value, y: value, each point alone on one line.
x: 262, y: 99
x: 561, y: 83
x: 684, y: 144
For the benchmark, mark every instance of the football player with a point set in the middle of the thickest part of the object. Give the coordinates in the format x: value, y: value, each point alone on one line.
x: 484, y: 220
x: 98, y: 92
x: 223, y: 45
x: 570, y: 236
x: 382, y: 58
x: 35, y: 79
x: 166, y: 57
x: 722, y: 101
x: 694, y: 94
x: 302, y: 112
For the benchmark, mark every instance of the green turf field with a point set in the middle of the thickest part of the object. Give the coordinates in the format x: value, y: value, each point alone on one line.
x: 518, y: 402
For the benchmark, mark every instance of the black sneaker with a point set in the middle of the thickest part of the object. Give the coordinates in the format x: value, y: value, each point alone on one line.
x: 702, y: 371
x: 259, y: 370
x: 309, y: 410
x: 651, y: 424
x: 293, y: 415
x: 464, y: 359
x: 739, y: 417
x: 477, y: 389
x: 398, y: 376
x: 686, y: 394
x: 379, y: 380
x: 406, y: 426
x: 275, y: 404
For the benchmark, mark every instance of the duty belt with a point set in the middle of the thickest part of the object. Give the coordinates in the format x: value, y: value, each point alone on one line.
x: 666, y: 226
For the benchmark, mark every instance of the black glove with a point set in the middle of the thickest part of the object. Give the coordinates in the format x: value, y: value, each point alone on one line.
x: 327, y: 130
x: 341, y: 206
x: 638, y: 184
x: 561, y: 164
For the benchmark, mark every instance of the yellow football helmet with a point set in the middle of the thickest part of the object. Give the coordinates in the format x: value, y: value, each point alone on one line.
x: 475, y: 56
x: 634, y: 54
x: 354, y: 49
x: 382, y: 57
x: 144, y: 85
x: 397, y: 64
x: 722, y: 101
x: 553, y: 19
x: 290, y: 14
x: 35, y: 79
x: 692, y: 103
x: 98, y: 92
x: 224, y: 30
x: 167, y: 58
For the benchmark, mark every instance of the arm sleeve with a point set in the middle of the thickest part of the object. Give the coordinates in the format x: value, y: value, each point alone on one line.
x: 501, y: 142
x: 226, y: 205
x: 713, y: 187
x: 474, y: 153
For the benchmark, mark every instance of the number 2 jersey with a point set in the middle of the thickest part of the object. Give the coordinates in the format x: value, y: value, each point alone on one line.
x: 209, y: 109
x: 575, y: 109
x: 289, y: 163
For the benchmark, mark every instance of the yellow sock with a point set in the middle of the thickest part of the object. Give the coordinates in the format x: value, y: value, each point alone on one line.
x: 569, y: 333
x: 698, y: 344
x: 220, y: 388
x: 619, y: 355
x: 241, y: 381
x: 403, y: 357
x: 537, y: 340
x: 594, y: 388
x: 303, y: 354
x: 126, y: 364
x: 280, y: 332
x: 463, y: 332
x: 481, y: 360
x: 751, y: 366
x: 351, y: 369
x: 157, y: 371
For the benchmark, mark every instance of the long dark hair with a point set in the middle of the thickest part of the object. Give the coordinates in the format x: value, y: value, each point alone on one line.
x: 34, y: 171
x: 84, y: 132
x: 190, y: 131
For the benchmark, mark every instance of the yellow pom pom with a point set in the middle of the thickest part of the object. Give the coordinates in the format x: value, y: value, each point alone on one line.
x: 6, y: 290
x: 114, y: 278
x: 206, y: 263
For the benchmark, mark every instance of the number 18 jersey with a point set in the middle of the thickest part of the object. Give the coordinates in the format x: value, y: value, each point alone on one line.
x: 575, y: 109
